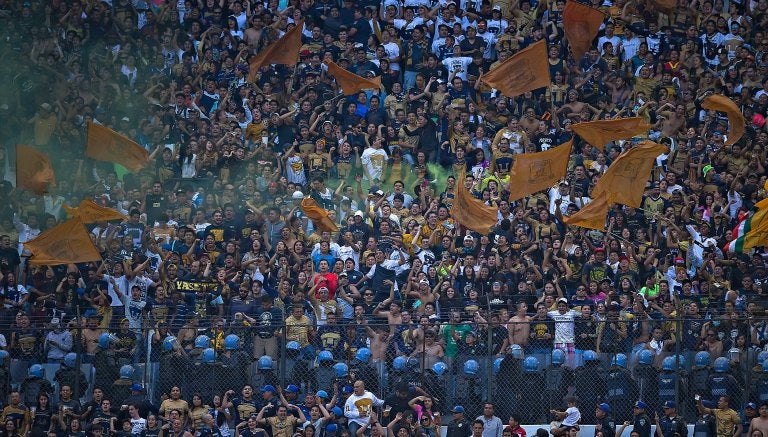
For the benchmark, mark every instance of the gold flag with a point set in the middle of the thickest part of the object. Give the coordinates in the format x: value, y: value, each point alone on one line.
x: 721, y: 103
x: 318, y: 215
x: 470, y: 211
x: 534, y: 172
x: 581, y: 24
x: 351, y: 83
x: 664, y: 5
x: 90, y: 212
x: 601, y: 132
x: 284, y: 51
x: 592, y: 215
x: 526, y: 70
x: 104, y: 144
x: 624, y: 181
x: 33, y: 170
x: 65, y: 243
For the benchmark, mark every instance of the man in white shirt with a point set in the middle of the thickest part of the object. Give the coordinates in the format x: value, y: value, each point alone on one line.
x: 359, y: 405
x: 564, y: 324
x: 373, y: 159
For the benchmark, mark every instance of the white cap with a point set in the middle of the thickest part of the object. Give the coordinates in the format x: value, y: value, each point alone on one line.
x: 297, y: 195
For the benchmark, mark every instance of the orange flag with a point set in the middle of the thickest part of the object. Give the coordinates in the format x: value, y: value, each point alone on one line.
x: 534, y: 172
x: 526, y: 70
x: 90, y: 212
x: 581, y: 23
x: 318, y: 215
x: 351, y: 83
x: 472, y: 212
x: 664, y: 5
x: 283, y: 51
x: 624, y: 181
x: 601, y: 132
x: 104, y: 144
x: 65, y: 243
x: 735, y: 117
x: 33, y: 170
x: 592, y: 215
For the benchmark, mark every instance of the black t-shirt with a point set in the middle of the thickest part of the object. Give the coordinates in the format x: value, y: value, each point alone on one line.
x: 9, y: 260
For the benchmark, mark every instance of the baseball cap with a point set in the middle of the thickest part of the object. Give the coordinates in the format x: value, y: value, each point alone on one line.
x: 563, y: 300
x: 670, y: 404
x: 269, y: 387
x: 292, y: 389
x: 137, y: 387
x: 604, y: 408
x: 331, y: 428
x: 322, y: 394
x: 457, y: 409
x: 679, y: 260
x: 347, y: 389
x: 752, y: 405
x: 337, y: 411
x: 640, y: 404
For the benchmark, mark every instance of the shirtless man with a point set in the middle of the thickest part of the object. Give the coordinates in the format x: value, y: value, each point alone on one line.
x: 760, y: 422
x: 519, y: 326
x: 253, y: 34
x: 91, y: 335
x: 380, y: 337
x: 394, y: 318
x: 529, y: 122
x: 673, y: 123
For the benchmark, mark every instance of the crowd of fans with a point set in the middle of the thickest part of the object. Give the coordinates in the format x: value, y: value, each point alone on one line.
x: 217, y: 271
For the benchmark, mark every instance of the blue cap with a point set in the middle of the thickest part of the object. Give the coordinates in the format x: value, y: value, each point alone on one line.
x: 166, y: 247
x: 292, y: 389
x: 640, y: 404
x: 347, y: 389
x: 457, y: 409
x: 337, y: 411
x: 331, y: 428
x: 267, y: 388
x: 137, y: 387
x: 605, y: 408
x: 752, y: 405
x: 670, y: 404
x: 322, y: 394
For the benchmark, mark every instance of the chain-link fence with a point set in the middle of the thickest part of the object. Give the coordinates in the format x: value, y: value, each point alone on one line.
x: 455, y: 364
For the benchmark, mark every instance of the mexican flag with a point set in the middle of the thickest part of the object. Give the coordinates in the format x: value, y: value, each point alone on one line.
x: 750, y: 232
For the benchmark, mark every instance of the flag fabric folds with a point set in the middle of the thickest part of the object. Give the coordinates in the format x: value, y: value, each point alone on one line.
x: 581, y: 23
x: 534, y: 172
x: 284, y: 51
x: 592, y: 215
x: 526, y: 70
x: 665, y: 5
x: 90, y: 212
x: 351, y: 83
x: 104, y: 144
x: 601, y: 132
x: 750, y: 232
x: 65, y: 243
x: 721, y: 103
x: 33, y: 170
x: 624, y: 181
x: 470, y: 211
x: 318, y: 215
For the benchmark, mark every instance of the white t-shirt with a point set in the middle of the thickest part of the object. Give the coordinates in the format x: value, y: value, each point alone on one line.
x: 358, y: 408
x: 573, y: 415
x: 373, y: 160
x: 138, y: 425
x: 564, y: 326
x: 457, y: 63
